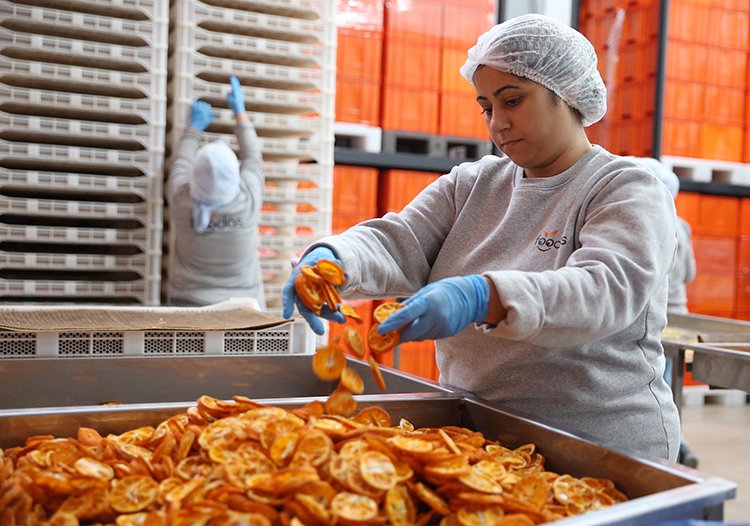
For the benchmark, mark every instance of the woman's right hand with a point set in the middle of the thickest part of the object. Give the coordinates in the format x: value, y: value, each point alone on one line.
x: 290, y: 297
x: 201, y: 115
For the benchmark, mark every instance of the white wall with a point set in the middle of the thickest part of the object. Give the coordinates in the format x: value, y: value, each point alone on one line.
x: 560, y: 10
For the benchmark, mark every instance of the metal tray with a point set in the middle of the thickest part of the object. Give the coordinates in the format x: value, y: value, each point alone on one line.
x: 659, y: 490
x: 55, y: 382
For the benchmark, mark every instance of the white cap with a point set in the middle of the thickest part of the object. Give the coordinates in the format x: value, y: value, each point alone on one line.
x: 548, y: 52
x: 214, y: 181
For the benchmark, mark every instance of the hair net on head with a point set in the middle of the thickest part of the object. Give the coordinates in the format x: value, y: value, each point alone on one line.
x: 665, y: 175
x: 548, y: 52
x: 214, y: 181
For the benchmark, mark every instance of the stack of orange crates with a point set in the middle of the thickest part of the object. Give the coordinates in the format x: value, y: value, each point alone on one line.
x: 463, y: 22
x: 627, y: 63
x: 355, y: 194
x: 397, y: 188
x: 411, y: 68
x: 706, y: 82
x: 359, y: 59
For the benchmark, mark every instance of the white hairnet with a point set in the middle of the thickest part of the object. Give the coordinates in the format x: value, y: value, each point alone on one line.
x: 665, y: 175
x: 214, y: 181
x: 548, y: 52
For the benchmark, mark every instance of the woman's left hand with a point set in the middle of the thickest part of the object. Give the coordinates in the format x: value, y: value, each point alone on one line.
x: 441, y: 309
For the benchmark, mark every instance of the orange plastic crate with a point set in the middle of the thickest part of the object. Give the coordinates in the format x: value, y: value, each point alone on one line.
x: 711, y: 292
x: 451, y: 80
x: 717, y: 216
x: 355, y: 189
x: 680, y: 138
x: 634, y: 100
x: 343, y: 220
x: 720, y: 142
x: 743, y: 294
x: 743, y: 228
x: 730, y: 28
x: 359, y: 54
x: 688, y: 207
x: 685, y: 61
x: 725, y: 67
x: 688, y: 21
x: 397, y: 188
x: 410, y: 109
x: 418, y: 358
x: 461, y: 116
x: 641, y: 24
x: 462, y: 25
x: 746, y: 145
x: 411, y: 64
x: 743, y: 257
x: 419, y: 21
x: 715, y: 254
x: 358, y: 101
x: 363, y: 15
x: 637, y: 62
x: 725, y: 106
x: 631, y: 137
x: 684, y: 100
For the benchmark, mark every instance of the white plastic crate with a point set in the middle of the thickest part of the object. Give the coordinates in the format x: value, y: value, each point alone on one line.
x: 252, y: 49
x: 90, y: 54
x: 89, y: 26
x: 130, y: 9
x: 320, y: 173
x: 74, y: 158
x: 237, y: 21
x: 146, y: 188
x: 148, y: 213
x: 314, y: 196
x: 286, y: 244
x: 193, y: 64
x: 147, y: 239
x: 145, y: 291
x: 293, y: 337
x: 146, y: 265
x: 706, y: 170
x: 148, y: 84
x: 92, y: 107
x: 276, y: 266
x: 305, y: 9
x: 102, y: 134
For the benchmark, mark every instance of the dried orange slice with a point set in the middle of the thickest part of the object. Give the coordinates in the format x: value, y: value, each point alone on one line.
x: 451, y: 468
x: 311, y: 273
x: 376, y: 373
x: 88, y: 467
x: 341, y: 403
x: 354, y: 342
x: 571, y: 492
x: 283, y: 448
x: 373, y: 415
x: 354, y: 507
x: 349, y: 312
x: 63, y: 519
x: 400, y: 507
x: 310, y: 293
x: 478, y: 515
x: 328, y: 362
x: 431, y: 498
x: 377, y: 470
x: 331, y: 295
x: 383, y: 311
x: 351, y: 381
x: 478, y: 481
x: 133, y: 493
x: 382, y: 343
x: 533, y: 488
x: 89, y: 437
x: 77, y: 504
x: 516, y: 519
x: 331, y: 271
x: 411, y: 445
x: 313, y: 447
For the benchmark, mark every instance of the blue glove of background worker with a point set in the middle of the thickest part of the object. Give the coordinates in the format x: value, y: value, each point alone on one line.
x: 235, y: 99
x: 201, y: 116
x: 441, y: 309
x: 290, y: 297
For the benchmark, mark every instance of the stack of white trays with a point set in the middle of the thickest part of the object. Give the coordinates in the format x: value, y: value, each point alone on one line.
x: 284, y: 54
x: 82, y: 124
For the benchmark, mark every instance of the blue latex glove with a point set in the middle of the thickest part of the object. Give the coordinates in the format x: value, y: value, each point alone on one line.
x: 290, y: 297
x: 235, y: 99
x: 201, y: 116
x: 441, y: 309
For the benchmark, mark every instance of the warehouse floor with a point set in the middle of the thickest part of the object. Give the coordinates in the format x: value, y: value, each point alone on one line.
x: 720, y: 437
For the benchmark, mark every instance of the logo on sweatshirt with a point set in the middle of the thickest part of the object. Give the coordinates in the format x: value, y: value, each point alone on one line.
x: 546, y: 241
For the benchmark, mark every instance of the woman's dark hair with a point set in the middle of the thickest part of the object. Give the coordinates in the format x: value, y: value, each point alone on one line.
x: 557, y: 100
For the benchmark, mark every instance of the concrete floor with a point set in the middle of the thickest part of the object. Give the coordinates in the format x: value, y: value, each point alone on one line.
x: 720, y: 437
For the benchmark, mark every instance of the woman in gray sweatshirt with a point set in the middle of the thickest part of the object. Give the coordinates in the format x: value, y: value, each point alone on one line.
x: 542, y: 275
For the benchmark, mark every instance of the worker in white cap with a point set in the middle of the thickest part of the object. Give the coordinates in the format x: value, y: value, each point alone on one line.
x: 541, y: 275
x: 214, y: 202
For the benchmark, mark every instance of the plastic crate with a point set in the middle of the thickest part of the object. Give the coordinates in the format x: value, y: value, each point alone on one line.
x: 146, y: 265
x: 280, y: 195
x: 285, y: 244
x: 73, y: 158
x: 319, y: 173
x: 236, y: 21
x: 92, y: 107
x: 130, y: 9
x: 304, y: 9
x: 251, y: 49
x: 151, y: 85
x: 148, y: 213
x: 91, y: 27
x: 89, y: 133
x: 92, y: 54
x: 251, y: 73
x: 147, y: 239
x: 145, y: 188
x: 145, y: 291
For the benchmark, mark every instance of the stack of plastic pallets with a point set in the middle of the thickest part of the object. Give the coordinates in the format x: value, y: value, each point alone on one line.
x: 284, y: 54
x: 82, y: 119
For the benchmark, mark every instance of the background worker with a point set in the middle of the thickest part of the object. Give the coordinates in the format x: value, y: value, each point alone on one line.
x: 541, y: 275
x: 215, y: 203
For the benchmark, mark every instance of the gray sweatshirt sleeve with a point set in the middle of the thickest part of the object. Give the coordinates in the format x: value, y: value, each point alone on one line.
x: 179, y: 173
x: 627, y: 246
x: 251, y: 162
